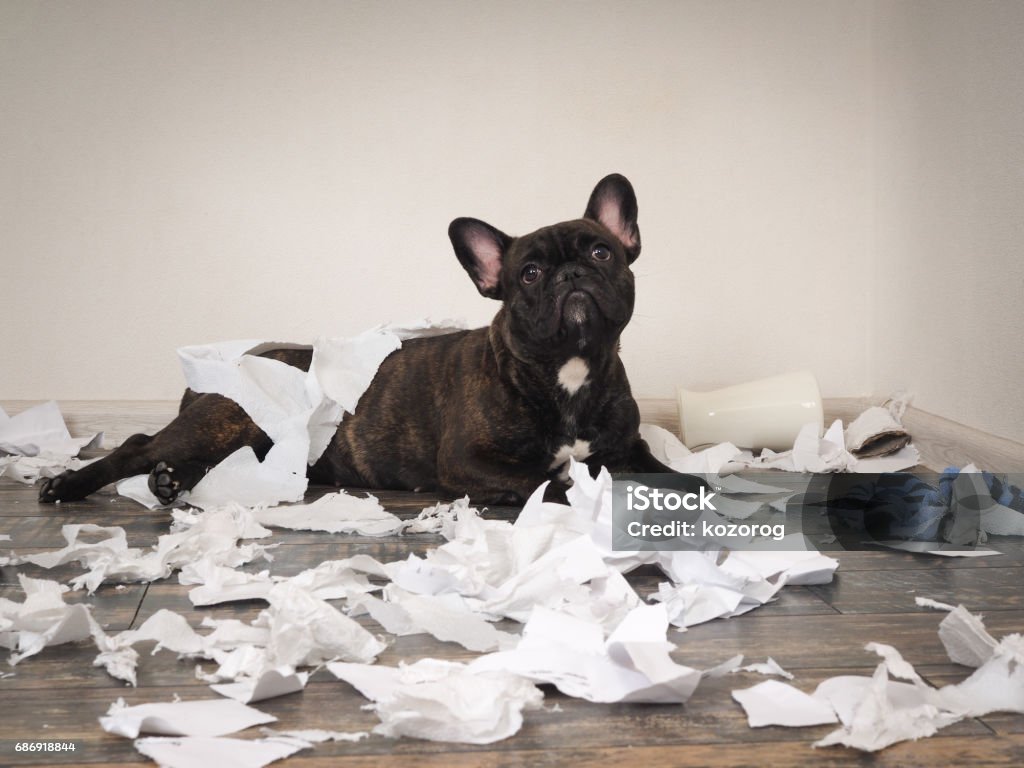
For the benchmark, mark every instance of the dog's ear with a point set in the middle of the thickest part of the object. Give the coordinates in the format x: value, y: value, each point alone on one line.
x: 613, y: 204
x: 481, y: 250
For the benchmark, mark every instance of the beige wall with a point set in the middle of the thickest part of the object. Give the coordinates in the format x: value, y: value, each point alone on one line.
x: 173, y: 173
x: 948, y: 290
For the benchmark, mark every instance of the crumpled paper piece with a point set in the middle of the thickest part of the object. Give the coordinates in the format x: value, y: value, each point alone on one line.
x: 669, y: 450
x: 876, y: 712
x: 962, y: 634
x: 798, y: 566
x: 331, y: 580
x: 171, y: 631
x: 41, y: 429
x: 42, y: 620
x: 337, y: 579
x: 769, y: 667
x: 505, y: 570
x: 267, y: 685
x: 260, y: 660
x: 446, y: 617
x: 38, y: 444
x: 811, y: 453
x: 439, y: 518
x: 28, y: 469
x: 212, y: 536
x: 995, y: 686
x: 205, y: 717
x: 305, y: 630
x: 703, y: 588
x: 443, y: 700
x: 220, y: 584
x: 631, y: 665
x: 255, y: 661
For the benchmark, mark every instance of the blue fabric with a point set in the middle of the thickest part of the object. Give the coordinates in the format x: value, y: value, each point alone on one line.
x: 1004, y: 493
x: 900, y: 505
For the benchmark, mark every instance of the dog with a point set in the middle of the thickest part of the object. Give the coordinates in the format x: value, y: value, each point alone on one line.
x: 491, y: 412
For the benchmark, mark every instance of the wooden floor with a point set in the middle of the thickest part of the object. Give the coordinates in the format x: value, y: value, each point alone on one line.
x: 815, y: 632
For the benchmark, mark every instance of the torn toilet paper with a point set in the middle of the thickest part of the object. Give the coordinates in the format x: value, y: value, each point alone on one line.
x: 632, y: 664
x: 213, y: 536
x: 443, y: 700
x: 334, y: 513
x: 42, y: 620
x: 36, y: 443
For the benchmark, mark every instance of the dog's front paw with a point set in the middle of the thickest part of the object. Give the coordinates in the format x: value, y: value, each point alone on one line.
x: 61, y: 488
x: 163, y: 484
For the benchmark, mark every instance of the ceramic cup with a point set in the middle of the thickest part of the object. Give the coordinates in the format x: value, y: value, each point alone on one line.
x: 767, y: 413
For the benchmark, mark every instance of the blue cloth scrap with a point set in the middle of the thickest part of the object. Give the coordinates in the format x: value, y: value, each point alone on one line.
x: 900, y: 505
x: 1008, y: 495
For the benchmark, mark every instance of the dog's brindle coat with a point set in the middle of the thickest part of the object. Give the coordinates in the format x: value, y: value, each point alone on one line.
x: 491, y: 412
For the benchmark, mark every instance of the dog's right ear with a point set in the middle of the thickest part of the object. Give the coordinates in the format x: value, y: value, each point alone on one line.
x: 613, y: 204
x: 481, y: 250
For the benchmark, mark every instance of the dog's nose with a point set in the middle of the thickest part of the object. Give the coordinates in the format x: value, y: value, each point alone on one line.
x: 569, y: 271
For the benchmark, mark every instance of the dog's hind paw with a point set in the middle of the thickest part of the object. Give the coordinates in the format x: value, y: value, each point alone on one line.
x: 163, y: 484
x: 60, y: 488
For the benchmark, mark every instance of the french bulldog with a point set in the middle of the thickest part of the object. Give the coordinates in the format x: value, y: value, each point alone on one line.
x: 491, y: 412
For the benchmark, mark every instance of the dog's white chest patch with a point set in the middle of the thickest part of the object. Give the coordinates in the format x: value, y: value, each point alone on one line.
x: 573, y: 375
x: 578, y: 450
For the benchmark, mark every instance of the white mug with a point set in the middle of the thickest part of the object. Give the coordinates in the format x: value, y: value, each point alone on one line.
x: 767, y: 413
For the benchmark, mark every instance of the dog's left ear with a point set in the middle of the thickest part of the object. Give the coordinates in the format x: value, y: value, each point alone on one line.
x: 613, y: 204
x: 481, y: 250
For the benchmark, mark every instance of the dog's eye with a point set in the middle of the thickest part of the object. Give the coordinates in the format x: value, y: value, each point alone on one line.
x: 601, y: 253
x: 530, y: 273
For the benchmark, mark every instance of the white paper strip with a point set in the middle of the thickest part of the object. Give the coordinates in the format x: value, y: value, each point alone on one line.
x: 205, y: 717
x: 203, y: 752
x: 334, y: 513
x: 272, y: 683
x: 775, y: 703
